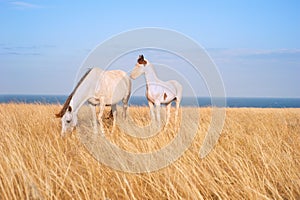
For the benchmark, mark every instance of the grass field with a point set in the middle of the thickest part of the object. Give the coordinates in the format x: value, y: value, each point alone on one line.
x: 256, y: 157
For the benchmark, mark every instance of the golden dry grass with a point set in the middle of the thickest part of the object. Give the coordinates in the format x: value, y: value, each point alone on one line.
x: 257, y: 157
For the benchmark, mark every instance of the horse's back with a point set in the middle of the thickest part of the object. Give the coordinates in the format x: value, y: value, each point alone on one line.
x: 115, y: 74
x: 118, y: 78
x: 113, y: 86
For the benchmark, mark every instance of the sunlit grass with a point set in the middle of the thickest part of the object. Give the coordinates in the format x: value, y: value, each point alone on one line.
x: 257, y: 157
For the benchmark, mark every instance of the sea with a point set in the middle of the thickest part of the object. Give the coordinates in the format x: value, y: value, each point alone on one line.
x: 232, y: 102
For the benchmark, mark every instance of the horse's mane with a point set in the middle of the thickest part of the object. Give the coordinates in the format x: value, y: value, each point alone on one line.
x: 66, y: 104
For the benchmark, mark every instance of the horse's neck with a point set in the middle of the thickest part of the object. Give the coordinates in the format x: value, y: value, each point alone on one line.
x: 84, y: 92
x: 150, y: 75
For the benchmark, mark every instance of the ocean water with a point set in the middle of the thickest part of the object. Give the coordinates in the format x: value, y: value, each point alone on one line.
x: 186, y: 101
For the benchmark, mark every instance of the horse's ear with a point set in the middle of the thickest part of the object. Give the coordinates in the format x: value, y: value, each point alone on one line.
x: 141, y: 60
x: 70, y: 109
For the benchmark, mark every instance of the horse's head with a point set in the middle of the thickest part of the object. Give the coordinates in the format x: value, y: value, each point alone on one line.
x: 139, y: 68
x: 68, y: 120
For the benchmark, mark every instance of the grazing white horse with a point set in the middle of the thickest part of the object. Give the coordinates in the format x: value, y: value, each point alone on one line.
x: 99, y: 88
x: 158, y: 91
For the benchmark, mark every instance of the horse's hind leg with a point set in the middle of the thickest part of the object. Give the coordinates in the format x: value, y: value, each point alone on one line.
x: 157, y: 110
x: 177, y: 109
x: 114, y: 112
x: 178, y: 87
x: 168, y: 112
x: 125, y: 107
x: 126, y: 97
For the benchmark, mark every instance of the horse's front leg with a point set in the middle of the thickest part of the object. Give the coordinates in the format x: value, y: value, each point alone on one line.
x: 177, y: 109
x: 94, y: 116
x: 101, y: 110
x: 151, y: 106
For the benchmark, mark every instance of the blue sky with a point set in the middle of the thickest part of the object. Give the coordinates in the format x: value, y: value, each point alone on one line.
x: 255, y: 44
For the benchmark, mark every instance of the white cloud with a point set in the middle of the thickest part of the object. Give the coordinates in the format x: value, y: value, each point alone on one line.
x: 24, y: 5
x: 230, y: 56
x: 253, y: 52
x: 34, y: 50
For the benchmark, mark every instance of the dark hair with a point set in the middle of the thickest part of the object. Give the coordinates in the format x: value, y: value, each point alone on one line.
x: 67, y: 103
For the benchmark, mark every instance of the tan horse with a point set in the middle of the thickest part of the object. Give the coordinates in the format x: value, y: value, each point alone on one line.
x: 99, y: 88
x: 158, y: 91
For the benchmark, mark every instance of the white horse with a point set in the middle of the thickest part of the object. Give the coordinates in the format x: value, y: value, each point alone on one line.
x: 99, y: 88
x: 158, y: 91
